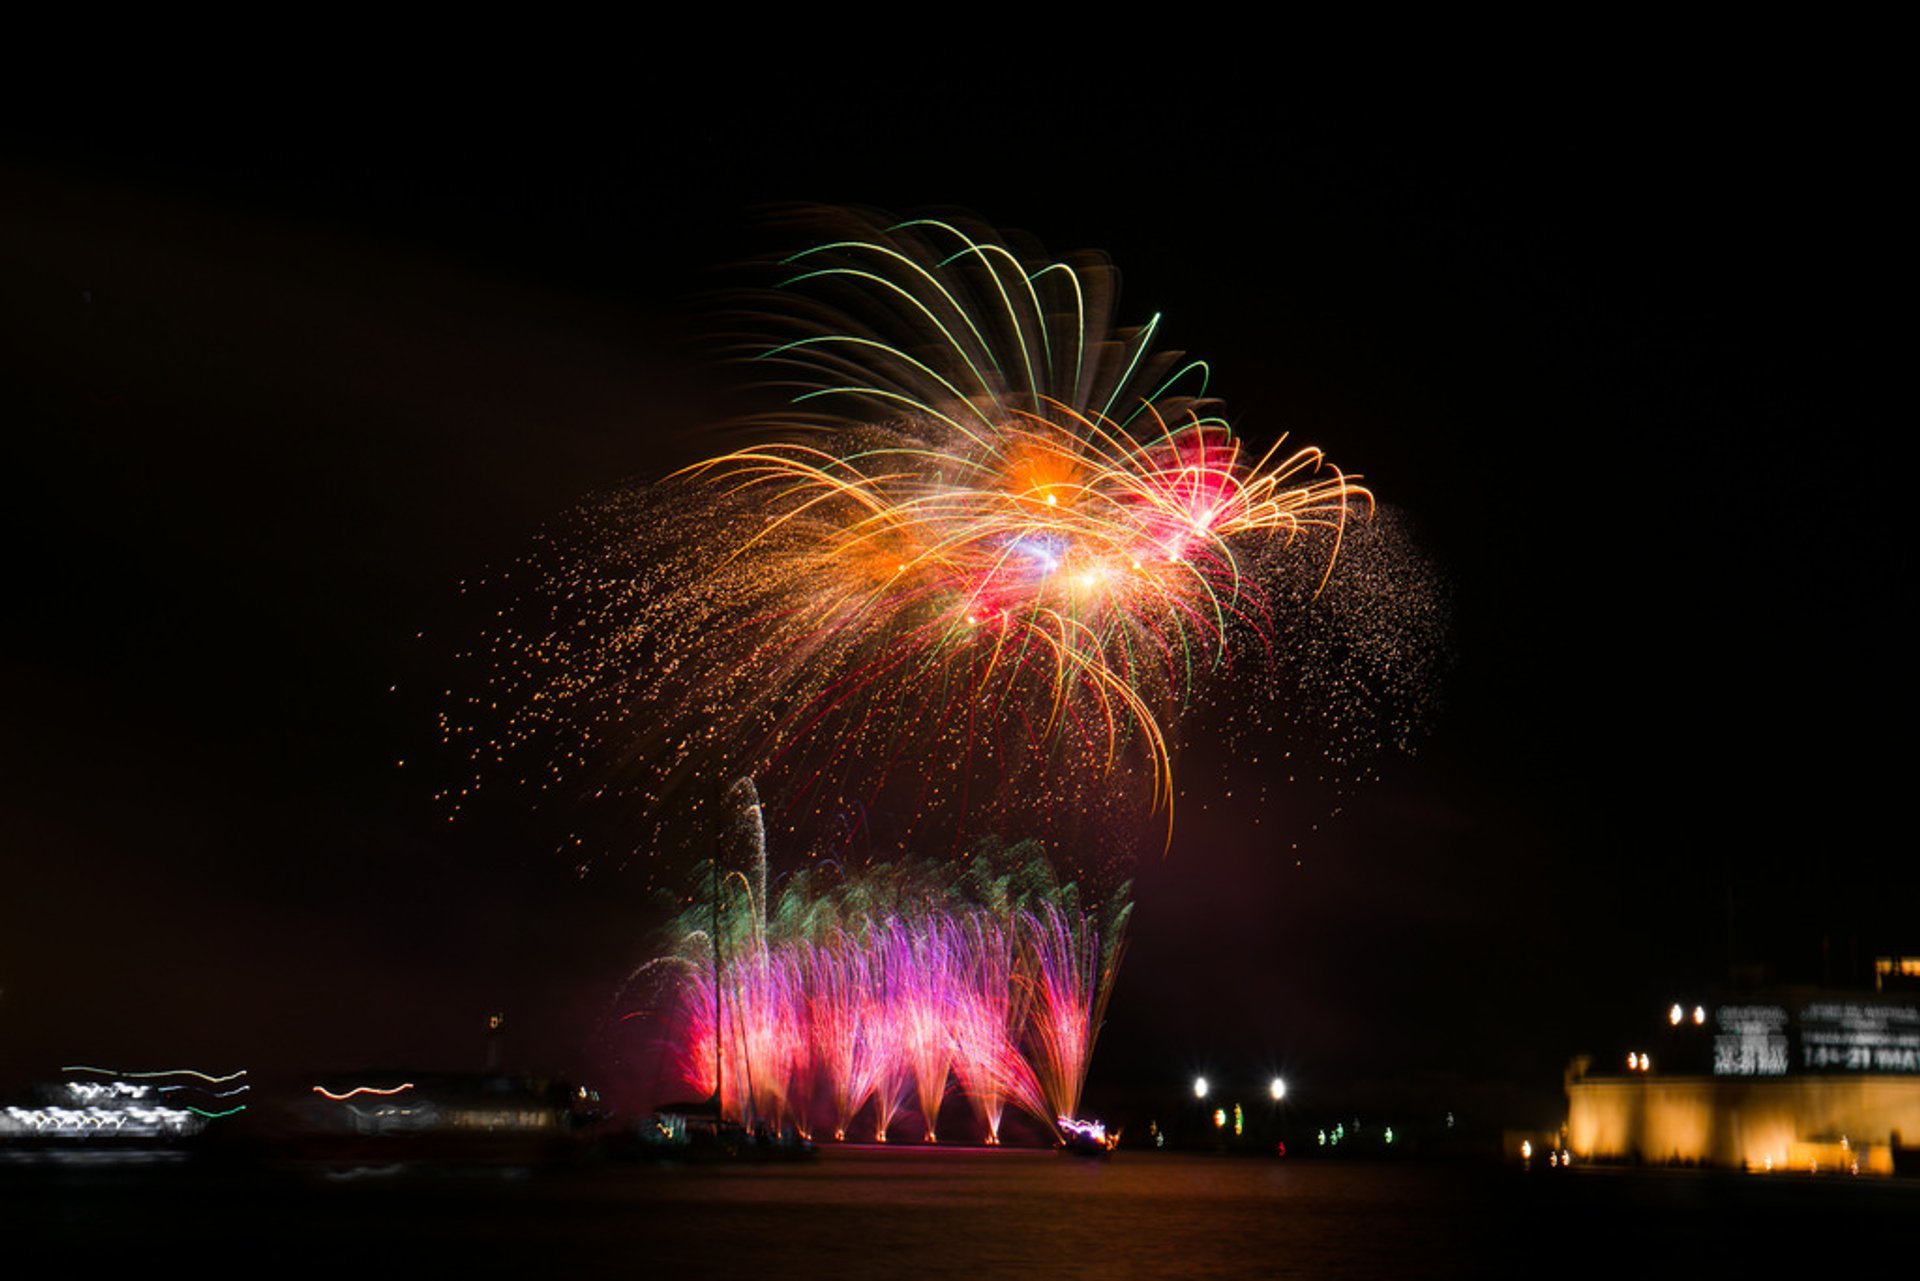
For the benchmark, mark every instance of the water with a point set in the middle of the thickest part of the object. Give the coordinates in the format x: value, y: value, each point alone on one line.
x: 890, y: 1213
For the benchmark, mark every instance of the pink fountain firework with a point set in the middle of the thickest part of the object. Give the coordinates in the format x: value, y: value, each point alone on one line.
x: 903, y: 985
x: 989, y: 1015
x: 814, y: 1033
x: 1071, y: 976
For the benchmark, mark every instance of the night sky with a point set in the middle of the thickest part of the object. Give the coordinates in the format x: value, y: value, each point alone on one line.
x: 1620, y: 351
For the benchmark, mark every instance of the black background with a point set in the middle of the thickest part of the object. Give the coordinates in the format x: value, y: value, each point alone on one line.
x: 286, y: 357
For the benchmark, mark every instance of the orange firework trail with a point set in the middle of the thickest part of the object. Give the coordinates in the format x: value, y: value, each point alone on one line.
x: 1055, y: 561
x: 994, y: 543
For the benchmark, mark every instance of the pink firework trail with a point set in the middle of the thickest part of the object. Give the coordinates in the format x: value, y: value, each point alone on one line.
x: 1071, y: 979
x: 989, y: 1012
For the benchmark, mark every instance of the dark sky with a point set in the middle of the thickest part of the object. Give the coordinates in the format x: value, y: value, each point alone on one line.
x: 277, y: 376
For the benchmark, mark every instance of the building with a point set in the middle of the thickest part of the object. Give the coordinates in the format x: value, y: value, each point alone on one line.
x: 1797, y: 1079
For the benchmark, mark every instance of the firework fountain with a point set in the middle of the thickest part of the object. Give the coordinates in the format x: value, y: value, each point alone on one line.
x: 898, y: 987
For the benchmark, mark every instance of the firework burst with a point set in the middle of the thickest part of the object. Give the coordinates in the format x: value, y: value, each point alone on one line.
x: 988, y: 552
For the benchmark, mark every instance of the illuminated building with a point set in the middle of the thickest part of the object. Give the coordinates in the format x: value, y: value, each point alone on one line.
x: 1800, y: 1079
x: 1896, y: 972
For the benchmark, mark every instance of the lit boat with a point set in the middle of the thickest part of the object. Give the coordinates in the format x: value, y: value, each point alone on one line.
x: 1086, y: 1138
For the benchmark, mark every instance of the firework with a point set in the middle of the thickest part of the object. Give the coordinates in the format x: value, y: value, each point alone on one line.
x: 846, y: 1059
x: 902, y: 985
x: 921, y: 980
x: 811, y: 1035
x: 989, y: 552
x: 1071, y: 976
x: 989, y: 1018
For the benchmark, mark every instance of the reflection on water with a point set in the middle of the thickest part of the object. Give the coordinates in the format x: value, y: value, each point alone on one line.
x: 967, y: 1213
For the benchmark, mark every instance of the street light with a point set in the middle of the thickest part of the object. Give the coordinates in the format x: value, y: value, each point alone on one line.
x: 1278, y: 1089
x: 1199, y: 1087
